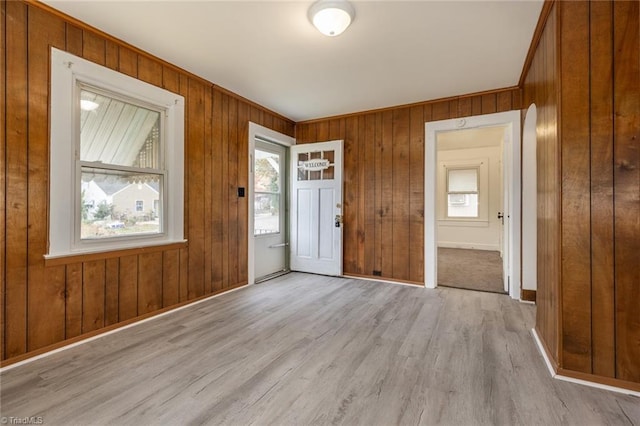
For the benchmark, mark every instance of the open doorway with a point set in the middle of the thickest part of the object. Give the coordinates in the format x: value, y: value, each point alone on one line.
x: 470, y: 209
x: 511, y: 168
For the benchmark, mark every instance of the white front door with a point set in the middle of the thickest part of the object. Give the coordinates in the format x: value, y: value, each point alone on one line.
x: 316, y: 208
x: 269, y: 207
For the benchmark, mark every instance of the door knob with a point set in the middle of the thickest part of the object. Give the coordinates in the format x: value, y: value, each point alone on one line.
x: 338, y: 220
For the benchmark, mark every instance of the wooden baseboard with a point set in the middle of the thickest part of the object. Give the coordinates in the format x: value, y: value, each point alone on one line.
x: 528, y: 295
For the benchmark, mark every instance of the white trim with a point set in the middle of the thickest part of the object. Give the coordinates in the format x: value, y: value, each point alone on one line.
x: 116, y: 330
x: 556, y: 376
x: 540, y: 347
x: 66, y: 71
x: 529, y: 201
x: 511, y: 119
x: 277, y: 138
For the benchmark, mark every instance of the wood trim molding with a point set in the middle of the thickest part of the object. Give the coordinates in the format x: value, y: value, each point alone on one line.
x: 101, y: 331
x: 88, y: 257
x: 528, y: 295
x: 421, y: 103
x: 535, y: 40
x: 85, y: 26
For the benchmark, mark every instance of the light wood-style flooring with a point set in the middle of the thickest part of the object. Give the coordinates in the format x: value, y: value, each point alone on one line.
x: 310, y: 350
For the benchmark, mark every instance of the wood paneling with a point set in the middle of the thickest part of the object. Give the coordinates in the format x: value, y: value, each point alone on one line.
x: 48, y: 303
x: 584, y: 77
x: 150, y: 276
x: 16, y: 180
x: 93, y: 291
x: 45, y: 326
x: 602, y: 229
x: 416, y: 193
x: 194, y: 173
x: 400, y: 199
x: 626, y: 95
x: 73, y: 300
x: 575, y: 154
x: 384, y: 179
x: 3, y: 165
x: 111, y: 296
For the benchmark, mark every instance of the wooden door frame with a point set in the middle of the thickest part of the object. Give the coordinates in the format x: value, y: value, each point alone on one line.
x: 511, y: 119
x: 256, y: 130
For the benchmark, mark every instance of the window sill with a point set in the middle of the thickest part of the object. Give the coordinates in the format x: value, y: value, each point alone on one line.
x: 86, y: 256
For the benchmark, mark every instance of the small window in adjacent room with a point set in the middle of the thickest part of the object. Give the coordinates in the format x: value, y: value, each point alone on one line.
x: 115, y: 142
x: 462, y: 192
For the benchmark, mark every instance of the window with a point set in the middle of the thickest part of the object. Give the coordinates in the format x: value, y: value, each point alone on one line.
x: 462, y: 193
x: 316, y: 165
x: 120, y: 158
x: 267, y: 192
x: 115, y: 142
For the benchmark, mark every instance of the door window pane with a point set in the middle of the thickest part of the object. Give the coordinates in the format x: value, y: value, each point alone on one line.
x: 267, y: 189
x: 266, y: 214
x: 267, y: 172
x: 323, y: 169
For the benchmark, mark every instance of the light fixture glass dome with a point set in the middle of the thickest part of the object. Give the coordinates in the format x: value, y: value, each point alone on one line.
x: 331, y: 17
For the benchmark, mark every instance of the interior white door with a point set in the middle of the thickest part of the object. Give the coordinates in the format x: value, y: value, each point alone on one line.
x: 269, y: 203
x: 316, y: 208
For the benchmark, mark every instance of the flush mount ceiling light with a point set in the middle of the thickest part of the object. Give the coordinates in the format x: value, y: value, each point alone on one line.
x: 331, y: 17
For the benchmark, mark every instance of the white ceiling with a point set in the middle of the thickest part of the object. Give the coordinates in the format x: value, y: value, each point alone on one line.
x: 395, y: 52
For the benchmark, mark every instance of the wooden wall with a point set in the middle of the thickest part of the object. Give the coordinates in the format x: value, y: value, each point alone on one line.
x: 586, y: 78
x: 384, y: 179
x: 541, y: 87
x: 46, y: 304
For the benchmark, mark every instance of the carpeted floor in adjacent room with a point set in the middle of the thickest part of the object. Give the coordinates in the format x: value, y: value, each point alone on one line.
x: 471, y: 269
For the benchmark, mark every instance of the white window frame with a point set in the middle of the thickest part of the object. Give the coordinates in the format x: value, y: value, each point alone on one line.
x: 482, y: 220
x: 67, y: 72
